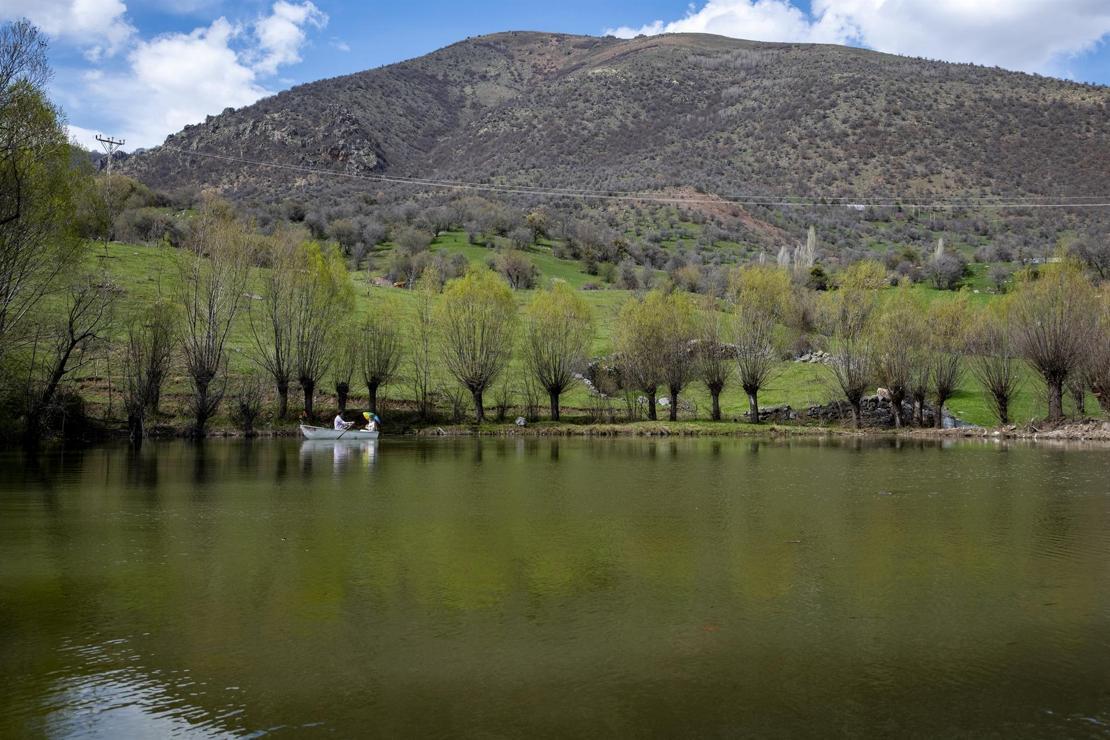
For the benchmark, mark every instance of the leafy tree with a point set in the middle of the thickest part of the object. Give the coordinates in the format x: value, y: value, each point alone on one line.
x: 1054, y: 319
x: 764, y: 299
x: 638, y: 337
x: 38, y: 186
x: 558, y: 331
x: 477, y: 320
x: 678, y: 348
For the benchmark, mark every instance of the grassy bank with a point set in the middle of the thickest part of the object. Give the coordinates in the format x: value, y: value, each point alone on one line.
x: 145, y: 272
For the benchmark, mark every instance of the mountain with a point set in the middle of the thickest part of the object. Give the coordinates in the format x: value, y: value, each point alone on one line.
x: 724, y: 117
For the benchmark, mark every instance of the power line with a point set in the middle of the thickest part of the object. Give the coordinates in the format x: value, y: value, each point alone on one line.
x: 1008, y: 202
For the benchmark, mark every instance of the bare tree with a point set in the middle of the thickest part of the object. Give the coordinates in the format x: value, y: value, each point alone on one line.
x: 214, y: 267
x: 849, y: 313
x: 678, y: 347
x: 420, y: 355
x: 715, y: 357
x: 1098, y: 361
x: 88, y: 315
x: 995, y: 364
x: 147, y: 356
x: 272, y: 321
x: 947, y: 344
x: 1054, y: 320
x: 477, y: 320
x: 346, y: 364
x: 379, y: 351
x: 897, y: 338
x: 756, y: 359
x: 558, y: 330
x: 322, y: 296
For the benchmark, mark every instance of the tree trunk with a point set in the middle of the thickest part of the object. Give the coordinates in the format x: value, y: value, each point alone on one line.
x: 673, y: 412
x: 283, y: 399
x: 136, y: 429
x: 554, y: 404
x: 651, y: 406
x: 753, y: 406
x: 918, y: 411
x: 479, y: 409
x: 896, y: 409
x: 857, y: 414
x: 155, y: 397
x: 1055, y: 401
x: 309, y: 388
x: 341, y: 391
x: 716, y: 394
x: 938, y: 413
x: 1003, y: 410
x: 372, y: 393
x: 201, y: 409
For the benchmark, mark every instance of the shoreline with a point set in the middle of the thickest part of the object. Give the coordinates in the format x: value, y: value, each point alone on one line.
x: 1089, y: 430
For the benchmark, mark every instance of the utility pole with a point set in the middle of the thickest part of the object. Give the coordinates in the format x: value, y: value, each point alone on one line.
x: 110, y: 146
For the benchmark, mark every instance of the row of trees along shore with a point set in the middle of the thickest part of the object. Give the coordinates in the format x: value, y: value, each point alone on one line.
x: 289, y: 307
x: 305, y: 326
x: 303, y: 331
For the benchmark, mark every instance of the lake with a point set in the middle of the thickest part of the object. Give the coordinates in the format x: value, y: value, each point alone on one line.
x: 542, y: 588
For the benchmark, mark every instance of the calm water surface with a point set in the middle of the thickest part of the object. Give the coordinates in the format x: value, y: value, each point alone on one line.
x: 533, y: 588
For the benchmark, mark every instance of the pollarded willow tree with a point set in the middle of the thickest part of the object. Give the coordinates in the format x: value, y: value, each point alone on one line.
x: 379, y: 349
x: 1054, y: 319
x: 763, y: 300
x: 898, y: 340
x: 948, y: 322
x: 994, y: 361
x: 678, y: 350
x: 322, y: 298
x: 640, y: 332
x: 1098, y: 362
x: 558, y: 331
x: 716, y: 357
x: 272, y: 322
x: 848, y: 314
x: 476, y: 316
x: 214, y: 266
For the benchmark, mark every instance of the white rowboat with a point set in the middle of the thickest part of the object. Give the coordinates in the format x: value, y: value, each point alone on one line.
x: 325, y: 433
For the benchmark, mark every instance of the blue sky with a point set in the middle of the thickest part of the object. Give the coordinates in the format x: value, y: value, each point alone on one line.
x: 142, y: 69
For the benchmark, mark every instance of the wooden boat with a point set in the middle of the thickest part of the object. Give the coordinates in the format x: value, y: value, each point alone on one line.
x: 323, y: 433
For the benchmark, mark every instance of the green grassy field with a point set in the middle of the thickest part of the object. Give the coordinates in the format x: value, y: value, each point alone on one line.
x: 145, y: 272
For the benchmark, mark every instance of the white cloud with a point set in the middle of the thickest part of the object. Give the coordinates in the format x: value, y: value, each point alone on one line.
x: 98, y: 27
x: 281, y: 34
x: 86, y: 137
x: 1031, y: 35
x: 176, y: 79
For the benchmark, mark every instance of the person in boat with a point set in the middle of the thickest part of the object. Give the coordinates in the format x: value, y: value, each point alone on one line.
x: 341, y: 426
x: 372, y: 421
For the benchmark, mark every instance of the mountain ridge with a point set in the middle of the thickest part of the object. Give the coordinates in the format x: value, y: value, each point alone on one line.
x: 717, y: 114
